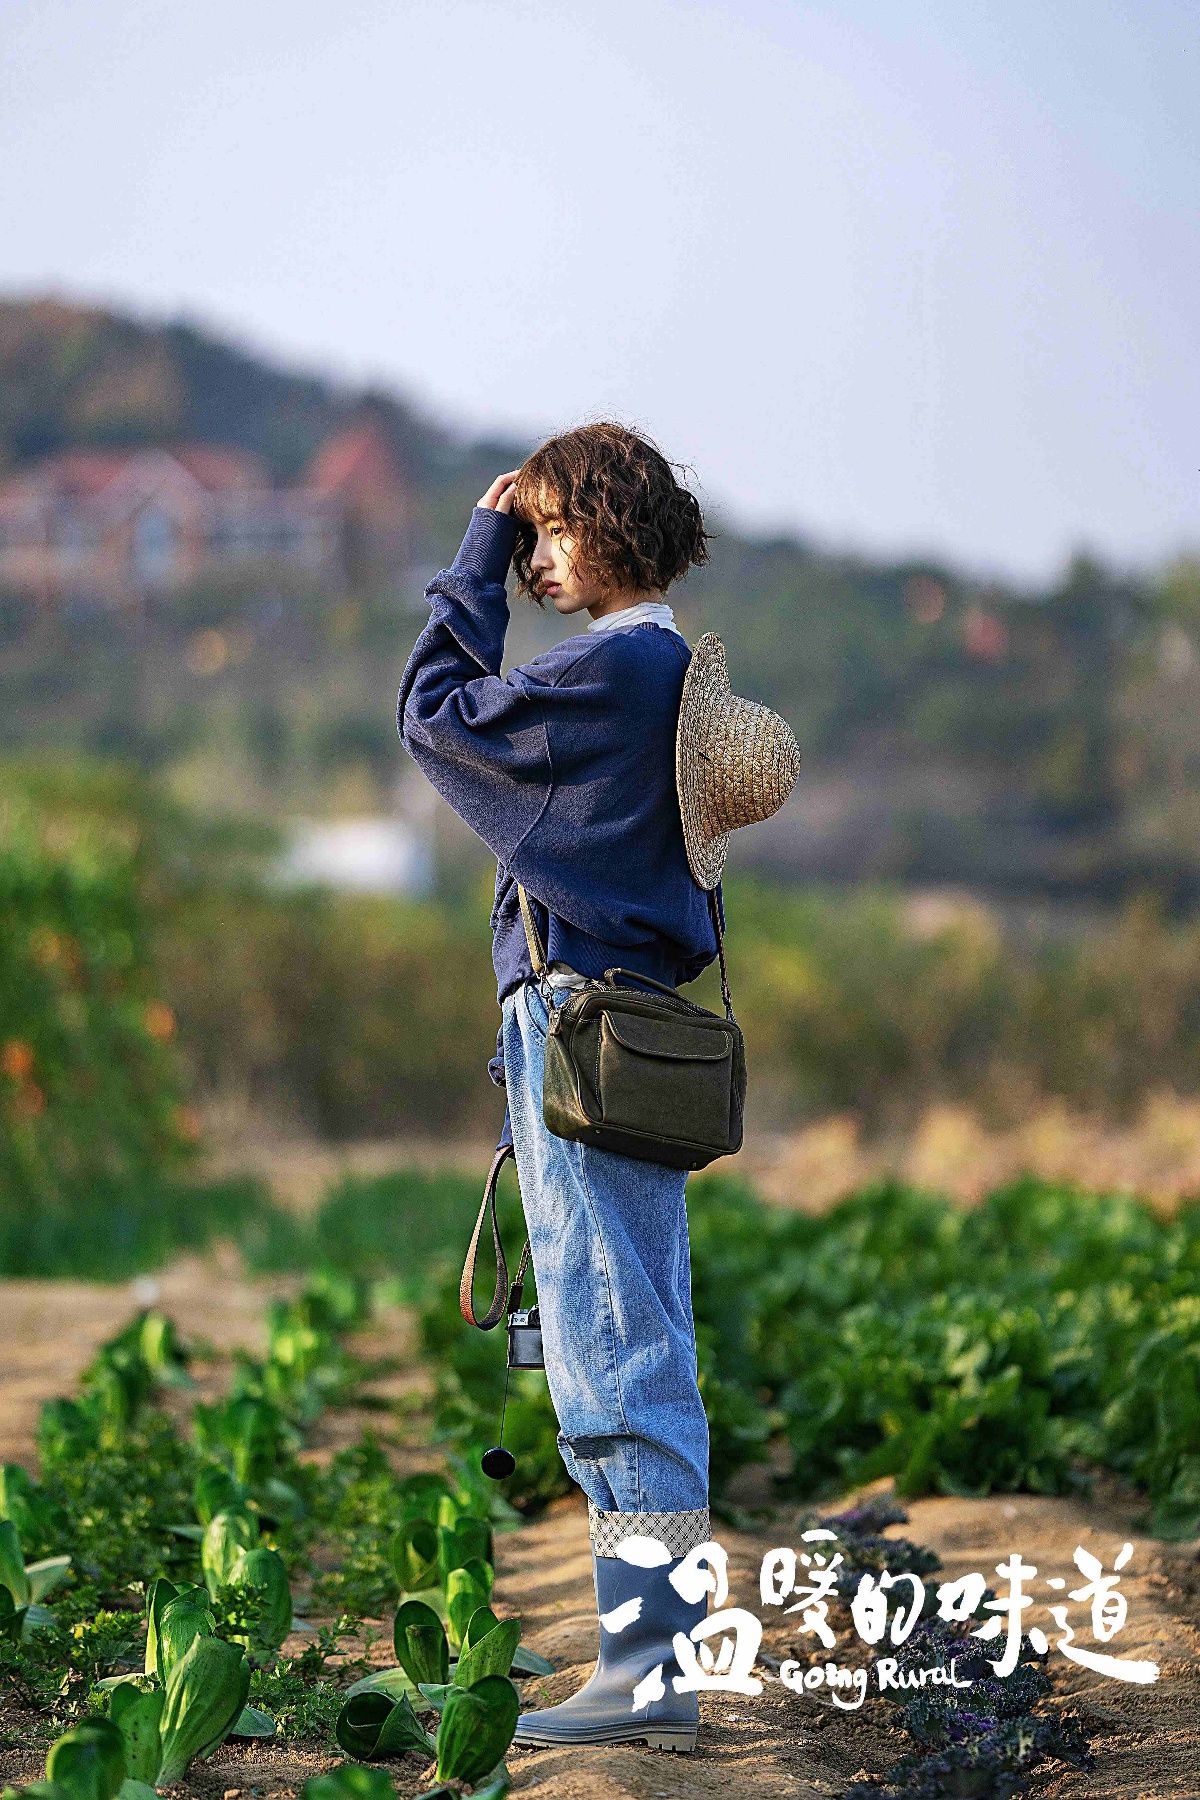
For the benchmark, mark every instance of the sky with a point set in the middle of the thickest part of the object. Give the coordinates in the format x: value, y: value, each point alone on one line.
x: 911, y: 279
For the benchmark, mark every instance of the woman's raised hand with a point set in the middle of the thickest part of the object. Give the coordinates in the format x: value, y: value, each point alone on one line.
x: 500, y: 495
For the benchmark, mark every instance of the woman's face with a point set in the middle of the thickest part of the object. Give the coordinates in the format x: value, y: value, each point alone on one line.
x: 555, y: 569
x: 561, y: 579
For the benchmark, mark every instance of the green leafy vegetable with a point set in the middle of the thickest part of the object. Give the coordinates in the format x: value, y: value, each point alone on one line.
x: 415, y: 1556
x: 349, y: 1782
x: 420, y: 1642
x: 476, y: 1729
x: 205, y: 1693
x: 137, y: 1714
x: 372, y: 1726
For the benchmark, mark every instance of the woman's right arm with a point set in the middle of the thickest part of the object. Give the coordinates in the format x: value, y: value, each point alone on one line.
x: 480, y: 737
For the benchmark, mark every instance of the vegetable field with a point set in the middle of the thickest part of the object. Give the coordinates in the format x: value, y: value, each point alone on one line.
x: 273, y: 1473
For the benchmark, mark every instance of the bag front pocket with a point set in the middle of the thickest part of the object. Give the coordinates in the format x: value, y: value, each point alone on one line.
x: 662, y: 1076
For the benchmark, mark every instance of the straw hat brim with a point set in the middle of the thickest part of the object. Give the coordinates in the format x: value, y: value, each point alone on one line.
x: 735, y: 760
x: 706, y: 677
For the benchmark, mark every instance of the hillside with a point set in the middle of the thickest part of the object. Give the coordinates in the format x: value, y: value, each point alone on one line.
x: 950, y: 732
x: 73, y: 376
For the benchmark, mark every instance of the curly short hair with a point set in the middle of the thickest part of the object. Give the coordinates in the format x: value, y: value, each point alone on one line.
x: 633, y: 524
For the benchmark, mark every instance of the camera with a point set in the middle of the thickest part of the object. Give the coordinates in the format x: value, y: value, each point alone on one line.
x: 525, y: 1339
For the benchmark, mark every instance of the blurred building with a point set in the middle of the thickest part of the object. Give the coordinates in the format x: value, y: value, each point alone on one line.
x: 365, y: 856
x: 397, y: 852
x: 119, y: 525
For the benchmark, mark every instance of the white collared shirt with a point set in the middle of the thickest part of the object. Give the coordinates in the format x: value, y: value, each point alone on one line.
x: 658, y: 612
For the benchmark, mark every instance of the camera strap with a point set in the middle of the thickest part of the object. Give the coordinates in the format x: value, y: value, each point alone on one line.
x: 504, y: 1299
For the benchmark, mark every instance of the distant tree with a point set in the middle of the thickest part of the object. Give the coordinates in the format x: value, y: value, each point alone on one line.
x: 1093, y: 614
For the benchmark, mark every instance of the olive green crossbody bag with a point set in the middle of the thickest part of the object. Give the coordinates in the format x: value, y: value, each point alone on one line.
x: 652, y: 1075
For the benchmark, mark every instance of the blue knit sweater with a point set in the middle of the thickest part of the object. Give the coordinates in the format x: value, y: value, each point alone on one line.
x: 565, y: 767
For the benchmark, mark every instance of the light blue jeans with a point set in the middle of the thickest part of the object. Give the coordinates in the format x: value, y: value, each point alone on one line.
x: 608, y: 1238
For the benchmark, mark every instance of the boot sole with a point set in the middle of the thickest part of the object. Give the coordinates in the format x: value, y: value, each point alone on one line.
x: 680, y: 1738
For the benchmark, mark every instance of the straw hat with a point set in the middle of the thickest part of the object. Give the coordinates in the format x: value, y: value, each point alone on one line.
x: 735, y: 761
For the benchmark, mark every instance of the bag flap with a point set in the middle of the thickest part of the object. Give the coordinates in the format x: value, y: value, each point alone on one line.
x: 666, y: 1037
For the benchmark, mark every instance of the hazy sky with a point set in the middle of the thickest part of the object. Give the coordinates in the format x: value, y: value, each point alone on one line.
x: 905, y: 276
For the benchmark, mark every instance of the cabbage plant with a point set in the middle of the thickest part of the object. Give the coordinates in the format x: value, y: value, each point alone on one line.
x: 379, y: 1719
x: 183, y: 1690
x: 350, y: 1781
x: 23, y: 1585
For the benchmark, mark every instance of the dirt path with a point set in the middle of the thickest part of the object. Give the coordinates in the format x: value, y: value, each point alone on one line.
x: 779, y: 1743
x: 1147, y: 1738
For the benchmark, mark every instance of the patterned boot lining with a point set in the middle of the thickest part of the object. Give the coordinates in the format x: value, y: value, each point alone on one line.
x: 678, y: 1531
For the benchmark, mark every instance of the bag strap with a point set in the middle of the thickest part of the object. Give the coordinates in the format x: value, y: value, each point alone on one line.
x: 716, y: 912
x: 503, y: 1299
x: 537, y: 955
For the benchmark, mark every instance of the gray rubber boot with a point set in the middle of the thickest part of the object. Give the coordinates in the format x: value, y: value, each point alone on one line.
x: 602, y: 1712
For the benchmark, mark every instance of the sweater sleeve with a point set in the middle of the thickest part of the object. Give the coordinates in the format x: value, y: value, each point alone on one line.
x: 480, y: 737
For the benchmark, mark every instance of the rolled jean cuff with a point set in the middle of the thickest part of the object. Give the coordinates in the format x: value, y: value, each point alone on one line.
x: 679, y: 1532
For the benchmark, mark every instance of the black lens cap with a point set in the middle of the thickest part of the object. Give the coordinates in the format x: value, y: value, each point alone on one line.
x: 498, y: 1462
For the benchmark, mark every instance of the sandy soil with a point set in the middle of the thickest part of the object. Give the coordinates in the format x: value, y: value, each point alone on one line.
x: 1147, y: 1738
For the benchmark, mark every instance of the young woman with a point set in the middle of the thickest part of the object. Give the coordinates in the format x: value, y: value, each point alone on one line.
x: 565, y: 767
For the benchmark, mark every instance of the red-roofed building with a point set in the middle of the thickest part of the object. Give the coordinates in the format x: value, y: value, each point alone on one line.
x: 116, y: 525
x: 358, y: 469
